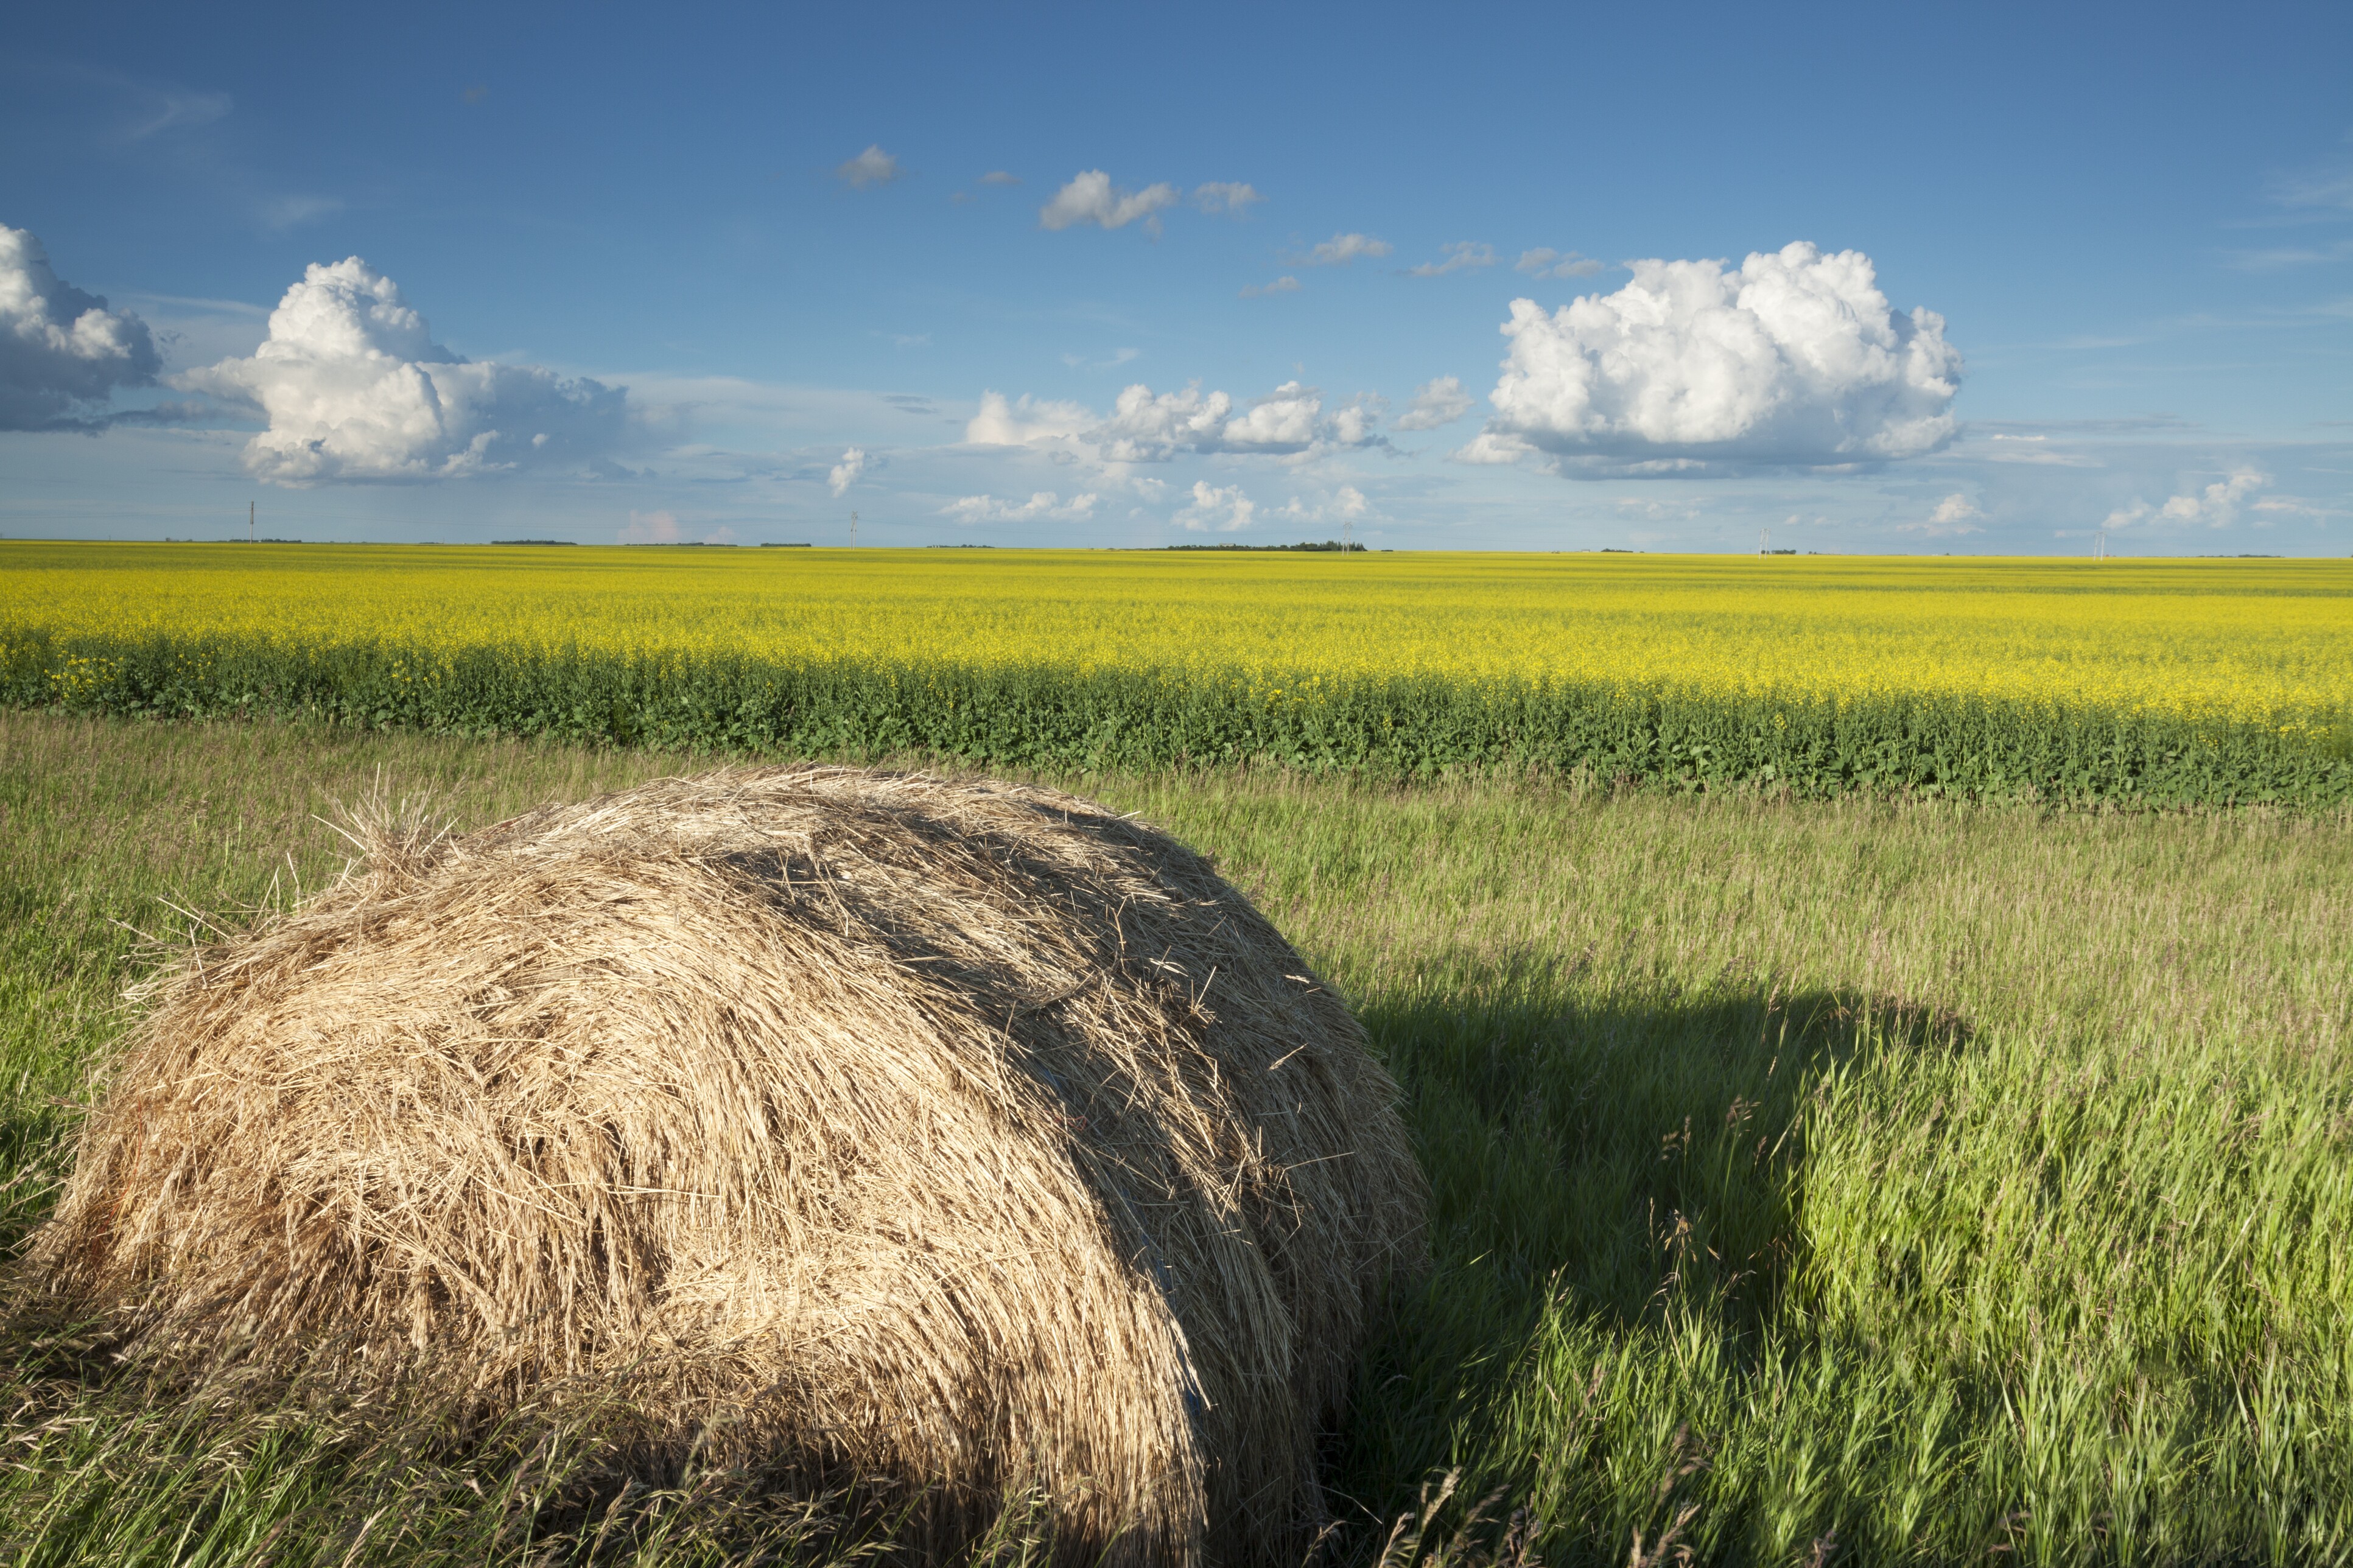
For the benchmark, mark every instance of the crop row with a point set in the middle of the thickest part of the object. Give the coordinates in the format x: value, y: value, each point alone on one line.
x: 1044, y: 717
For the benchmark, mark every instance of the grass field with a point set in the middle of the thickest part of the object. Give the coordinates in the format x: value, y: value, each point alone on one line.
x: 1890, y: 1180
x: 2161, y: 682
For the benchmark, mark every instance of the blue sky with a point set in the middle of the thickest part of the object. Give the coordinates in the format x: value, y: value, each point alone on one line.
x: 627, y: 274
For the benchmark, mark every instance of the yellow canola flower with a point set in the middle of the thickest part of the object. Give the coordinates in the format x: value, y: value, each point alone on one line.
x: 2265, y: 642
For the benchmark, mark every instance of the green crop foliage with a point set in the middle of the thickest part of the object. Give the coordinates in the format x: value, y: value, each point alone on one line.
x: 2163, y: 684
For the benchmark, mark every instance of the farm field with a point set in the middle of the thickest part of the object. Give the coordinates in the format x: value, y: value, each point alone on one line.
x: 2154, y: 682
x: 1883, y: 1180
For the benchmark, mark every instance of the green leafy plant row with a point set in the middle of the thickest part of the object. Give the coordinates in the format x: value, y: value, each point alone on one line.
x: 1044, y: 716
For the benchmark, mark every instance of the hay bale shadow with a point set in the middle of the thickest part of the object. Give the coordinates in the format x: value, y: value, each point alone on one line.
x: 1615, y: 1156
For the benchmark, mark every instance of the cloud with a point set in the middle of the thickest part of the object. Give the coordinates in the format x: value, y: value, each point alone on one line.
x: 179, y: 109
x: 1795, y: 357
x: 1145, y: 426
x: 1118, y: 357
x: 871, y: 168
x: 2034, y: 449
x: 1546, y: 262
x: 282, y: 212
x: 845, y: 473
x: 650, y: 528
x: 354, y: 388
x: 1437, y: 402
x: 2216, y: 506
x: 2318, y: 188
x: 1288, y: 420
x: 1224, y: 509
x: 2283, y: 256
x: 1044, y: 505
x: 663, y: 528
x: 1462, y: 253
x: 2296, y: 506
x: 1030, y: 422
x: 1341, y: 249
x: 1346, y: 504
x: 62, y: 351
x: 1091, y: 198
x: 1000, y: 177
x: 1286, y: 284
x: 1489, y: 448
x: 1952, y: 519
x: 1225, y: 196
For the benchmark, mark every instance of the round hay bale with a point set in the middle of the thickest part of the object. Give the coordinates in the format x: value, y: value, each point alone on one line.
x: 968, y: 1136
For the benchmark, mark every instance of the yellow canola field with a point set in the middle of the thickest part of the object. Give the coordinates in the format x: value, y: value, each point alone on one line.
x: 2267, y: 642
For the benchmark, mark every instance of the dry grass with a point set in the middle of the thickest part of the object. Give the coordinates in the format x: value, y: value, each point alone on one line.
x: 857, y: 1126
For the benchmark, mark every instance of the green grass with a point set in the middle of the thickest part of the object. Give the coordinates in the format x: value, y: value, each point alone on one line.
x: 1902, y: 1182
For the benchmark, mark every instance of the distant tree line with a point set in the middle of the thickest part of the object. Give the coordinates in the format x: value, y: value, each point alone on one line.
x: 1333, y: 545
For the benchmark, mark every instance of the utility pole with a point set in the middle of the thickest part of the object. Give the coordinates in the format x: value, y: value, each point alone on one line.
x: 248, y: 522
x: 853, y: 530
x: 1347, y: 534
x: 2100, y: 545
x: 1764, y: 541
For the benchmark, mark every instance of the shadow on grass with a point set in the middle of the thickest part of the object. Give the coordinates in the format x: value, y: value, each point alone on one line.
x: 1621, y: 1155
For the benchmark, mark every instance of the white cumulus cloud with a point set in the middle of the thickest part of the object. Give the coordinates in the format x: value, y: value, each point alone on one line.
x: 1288, y: 420
x: 1437, y: 402
x: 62, y: 351
x: 845, y: 473
x: 1222, y: 508
x: 871, y: 168
x: 1044, y: 504
x: 1462, y: 253
x: 1956, y: 515
x: 1286, y: 284
x: 1489, y: 447
x: 1793, y: 357
x: 355, y: 388
x: 1030, y: 422
x: 1341, y: 249
x: 1090, y: 197
x: 1225, y: 196
x: 1546, y: 262
x: 2216, y: 505
x: 1145, y: 426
